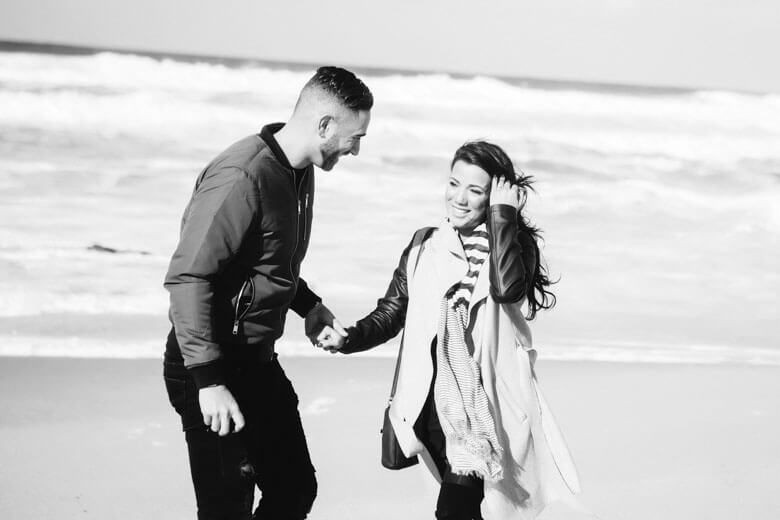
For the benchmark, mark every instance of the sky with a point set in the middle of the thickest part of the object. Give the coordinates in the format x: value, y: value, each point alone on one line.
x: 725, y: 44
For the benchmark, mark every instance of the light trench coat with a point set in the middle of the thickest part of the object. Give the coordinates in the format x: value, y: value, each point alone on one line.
x: 538, y: 468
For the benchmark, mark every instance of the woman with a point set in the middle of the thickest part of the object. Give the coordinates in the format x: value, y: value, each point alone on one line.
x: 466, y: 399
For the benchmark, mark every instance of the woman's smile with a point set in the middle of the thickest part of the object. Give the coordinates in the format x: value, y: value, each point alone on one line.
x: 466, y: 196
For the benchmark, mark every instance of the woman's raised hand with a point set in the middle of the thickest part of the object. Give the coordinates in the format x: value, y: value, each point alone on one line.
x: 504, y: 192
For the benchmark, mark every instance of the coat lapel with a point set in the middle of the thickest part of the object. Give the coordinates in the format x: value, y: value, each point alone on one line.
x: 452, y: 264
x: 450, y: 259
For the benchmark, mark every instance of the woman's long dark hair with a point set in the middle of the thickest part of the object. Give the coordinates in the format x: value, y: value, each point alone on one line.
x: 497, y: 163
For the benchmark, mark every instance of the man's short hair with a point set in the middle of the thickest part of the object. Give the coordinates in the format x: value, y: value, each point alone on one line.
x: 344, y: 86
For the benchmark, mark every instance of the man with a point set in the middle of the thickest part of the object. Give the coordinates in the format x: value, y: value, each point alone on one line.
x: 231, y: 280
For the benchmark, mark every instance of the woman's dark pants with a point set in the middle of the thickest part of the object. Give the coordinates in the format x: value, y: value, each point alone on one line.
x: 460, y: 496
x: 270, y: 452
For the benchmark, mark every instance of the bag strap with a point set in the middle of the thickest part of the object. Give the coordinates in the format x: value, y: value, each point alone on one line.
x: 420, y: 236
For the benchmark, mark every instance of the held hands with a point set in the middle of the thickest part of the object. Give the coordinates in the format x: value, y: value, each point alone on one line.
x: 332, y: 343
x: 503, y: 192
x: 324, y: 330
x: 218, y: 408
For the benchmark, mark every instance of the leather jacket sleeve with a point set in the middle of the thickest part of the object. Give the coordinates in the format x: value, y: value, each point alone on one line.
x: 387, y: 319
x: 513, y: 255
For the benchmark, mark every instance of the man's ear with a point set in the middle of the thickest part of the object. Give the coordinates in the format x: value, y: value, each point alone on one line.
x: 325, y: 124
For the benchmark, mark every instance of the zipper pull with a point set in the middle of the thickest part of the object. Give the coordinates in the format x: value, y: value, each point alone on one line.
x: 235, y: 328
x: 299, y: 206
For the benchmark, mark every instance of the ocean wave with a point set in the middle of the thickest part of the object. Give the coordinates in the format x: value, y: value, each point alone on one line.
x: 116, y: 348
x: 118, y: 94
x: 19, y: 302
x: 66, y: 279
x: 669, y: 194
x: 635, y: 352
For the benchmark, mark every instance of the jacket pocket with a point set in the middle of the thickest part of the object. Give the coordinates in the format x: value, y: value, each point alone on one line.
x: 244, y: 300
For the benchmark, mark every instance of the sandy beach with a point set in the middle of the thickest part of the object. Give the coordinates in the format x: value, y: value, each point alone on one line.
x: 96, y: 439
x: 658, y: 207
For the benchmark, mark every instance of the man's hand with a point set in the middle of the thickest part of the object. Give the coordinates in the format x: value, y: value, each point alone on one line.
x: 218, y: 408
x: 502, y: 192
x: 320, y: 325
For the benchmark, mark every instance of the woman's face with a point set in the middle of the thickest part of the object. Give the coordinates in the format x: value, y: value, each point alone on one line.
x: 467, y: 196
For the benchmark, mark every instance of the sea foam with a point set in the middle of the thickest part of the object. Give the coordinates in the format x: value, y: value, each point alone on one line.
x: 659, y: 208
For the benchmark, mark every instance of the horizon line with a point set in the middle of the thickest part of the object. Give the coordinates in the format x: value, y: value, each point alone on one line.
x: 67, y: 49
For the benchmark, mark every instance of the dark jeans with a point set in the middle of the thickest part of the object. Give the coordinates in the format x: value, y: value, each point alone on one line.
x: 460, y: 496
x: 270, y: 452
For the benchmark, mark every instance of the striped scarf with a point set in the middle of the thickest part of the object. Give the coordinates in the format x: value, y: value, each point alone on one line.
x: 462, y: 405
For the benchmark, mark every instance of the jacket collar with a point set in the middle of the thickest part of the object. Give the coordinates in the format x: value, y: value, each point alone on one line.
x: 267, y: 135
x: 449, y: 241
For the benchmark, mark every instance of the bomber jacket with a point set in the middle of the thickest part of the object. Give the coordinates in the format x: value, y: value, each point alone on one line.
x: 514, y: 259
x: 236, y: 269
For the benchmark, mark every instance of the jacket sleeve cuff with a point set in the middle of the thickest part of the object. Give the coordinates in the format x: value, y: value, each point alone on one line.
x: 352, y: 343
x: 503, y: 212
x: 304, y: 300
x: 209, y: 374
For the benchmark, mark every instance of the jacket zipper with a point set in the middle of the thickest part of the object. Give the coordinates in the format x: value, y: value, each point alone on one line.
x: 298, y: 220
x: 296, y: 188
x: 305, y: 209
x: 236, y: 317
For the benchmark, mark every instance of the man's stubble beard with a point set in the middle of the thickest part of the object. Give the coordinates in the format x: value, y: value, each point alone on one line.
x: 330, y: 156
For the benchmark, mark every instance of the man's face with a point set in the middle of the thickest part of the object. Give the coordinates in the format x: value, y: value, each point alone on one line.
x: 344, y: 137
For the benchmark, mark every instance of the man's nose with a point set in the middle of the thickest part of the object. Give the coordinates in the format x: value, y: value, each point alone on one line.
x: 355, y: 148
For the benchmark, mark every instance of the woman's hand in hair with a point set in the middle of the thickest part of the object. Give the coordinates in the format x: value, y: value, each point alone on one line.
x: 504, y: 192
